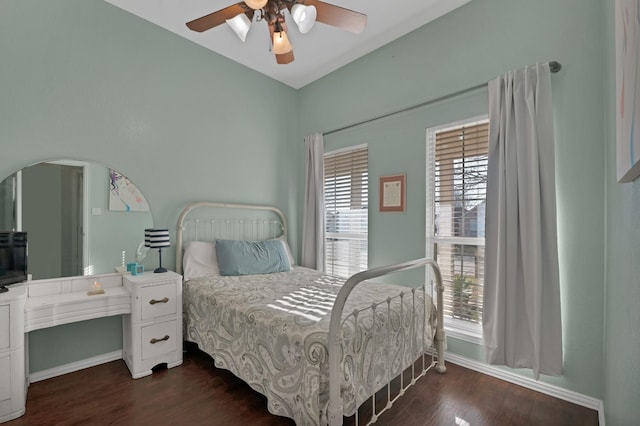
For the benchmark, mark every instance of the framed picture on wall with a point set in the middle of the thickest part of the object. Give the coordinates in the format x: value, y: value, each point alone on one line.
x: 393, y: 193
x: 627, y: 23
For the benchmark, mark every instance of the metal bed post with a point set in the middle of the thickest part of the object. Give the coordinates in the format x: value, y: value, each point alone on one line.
x: 334, y: 410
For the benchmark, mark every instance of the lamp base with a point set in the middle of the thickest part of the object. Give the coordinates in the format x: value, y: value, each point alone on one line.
x: 160, y: 269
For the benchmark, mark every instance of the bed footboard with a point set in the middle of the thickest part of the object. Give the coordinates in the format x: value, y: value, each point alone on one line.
x: 335, y: 408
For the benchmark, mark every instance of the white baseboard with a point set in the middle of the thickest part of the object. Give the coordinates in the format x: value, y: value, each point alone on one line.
x: 74, y: 366
x: 548, y: 389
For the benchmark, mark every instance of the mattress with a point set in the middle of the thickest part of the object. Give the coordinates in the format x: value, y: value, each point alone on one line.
x: 271, y: 331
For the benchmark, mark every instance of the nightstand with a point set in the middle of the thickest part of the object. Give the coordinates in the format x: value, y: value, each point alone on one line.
x: 152, y: 333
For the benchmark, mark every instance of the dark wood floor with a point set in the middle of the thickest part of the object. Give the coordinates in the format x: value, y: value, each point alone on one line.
x: 197, y: 393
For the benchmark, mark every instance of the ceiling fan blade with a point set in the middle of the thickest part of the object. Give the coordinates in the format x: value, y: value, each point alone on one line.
x: 337, y: 16
x: 219, y: 17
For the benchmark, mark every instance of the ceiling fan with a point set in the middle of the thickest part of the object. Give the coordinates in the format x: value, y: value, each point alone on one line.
x: 304, y: 13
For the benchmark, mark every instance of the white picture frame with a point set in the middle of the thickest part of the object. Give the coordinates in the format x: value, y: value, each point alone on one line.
x: 627, y: 27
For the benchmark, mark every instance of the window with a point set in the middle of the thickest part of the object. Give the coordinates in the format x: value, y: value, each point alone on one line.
x: 346, y: 200
x: 456, y: 204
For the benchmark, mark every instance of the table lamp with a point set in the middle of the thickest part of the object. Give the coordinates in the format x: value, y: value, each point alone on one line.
x: 157, y: 238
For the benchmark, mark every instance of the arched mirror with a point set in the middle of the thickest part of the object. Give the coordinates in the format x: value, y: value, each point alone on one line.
x: 81, y: 218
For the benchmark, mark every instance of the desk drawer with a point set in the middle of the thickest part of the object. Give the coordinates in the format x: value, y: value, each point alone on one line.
x: 158, y: 339
x: 158, y: 301
x: 5, y: 336
x: 5, y: 377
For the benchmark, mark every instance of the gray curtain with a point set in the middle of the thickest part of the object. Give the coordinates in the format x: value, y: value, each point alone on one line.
x: 313, y: 220
x: 522, y: 325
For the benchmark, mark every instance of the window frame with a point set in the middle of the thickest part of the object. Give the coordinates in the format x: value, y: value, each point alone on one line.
x: 456, y: 328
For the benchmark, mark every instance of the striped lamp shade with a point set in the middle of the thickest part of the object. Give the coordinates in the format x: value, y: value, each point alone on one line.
x: 156, y: 238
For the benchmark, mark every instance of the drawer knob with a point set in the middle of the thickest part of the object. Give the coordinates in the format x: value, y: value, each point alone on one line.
x: 154, y: 340
x: 154, y: 301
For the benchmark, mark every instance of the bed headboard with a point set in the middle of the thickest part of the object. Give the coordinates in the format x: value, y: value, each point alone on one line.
x: 210, y: 220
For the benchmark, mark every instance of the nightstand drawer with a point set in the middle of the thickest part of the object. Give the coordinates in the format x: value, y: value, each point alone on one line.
x: 157, y: 301
x: 158, y: 339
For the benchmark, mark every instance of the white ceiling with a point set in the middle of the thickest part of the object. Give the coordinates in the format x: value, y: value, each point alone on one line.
x: 317, y: 53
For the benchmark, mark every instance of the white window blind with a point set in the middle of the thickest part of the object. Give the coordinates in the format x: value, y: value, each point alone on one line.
x: 457, y: 186
x: 346, y: 199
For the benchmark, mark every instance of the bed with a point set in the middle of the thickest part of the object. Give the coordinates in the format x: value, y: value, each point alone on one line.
x: 317, y: 346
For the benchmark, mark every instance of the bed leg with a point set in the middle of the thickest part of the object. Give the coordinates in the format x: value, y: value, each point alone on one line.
x: 440, y: 341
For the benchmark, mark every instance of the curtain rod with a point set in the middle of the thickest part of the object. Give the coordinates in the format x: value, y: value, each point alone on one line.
x: 554, y: 67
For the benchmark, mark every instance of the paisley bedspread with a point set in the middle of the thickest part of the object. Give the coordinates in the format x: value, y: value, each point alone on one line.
x: 271, y: 331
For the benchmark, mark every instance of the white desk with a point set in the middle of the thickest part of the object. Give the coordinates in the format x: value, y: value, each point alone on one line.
x: 46, y: 303
x: 12, y: 354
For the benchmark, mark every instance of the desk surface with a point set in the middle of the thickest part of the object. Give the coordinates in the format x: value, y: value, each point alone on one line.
x: 66, y: 300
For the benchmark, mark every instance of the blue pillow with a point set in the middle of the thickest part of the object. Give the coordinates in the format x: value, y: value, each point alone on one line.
x: 251, y: 257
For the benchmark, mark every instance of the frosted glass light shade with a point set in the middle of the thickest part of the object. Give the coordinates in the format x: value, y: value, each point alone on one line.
x: 240, y: 25
x: 255, y: 4
x: 281, y: 43
x: 304, y: 16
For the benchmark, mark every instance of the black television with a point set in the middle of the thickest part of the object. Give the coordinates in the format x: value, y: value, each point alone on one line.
x: 13, y: 258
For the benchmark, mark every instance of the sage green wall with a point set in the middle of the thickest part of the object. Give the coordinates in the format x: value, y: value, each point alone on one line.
x: 55, y: 346
x: 84, y: 80
x: 467, y: 47
x: 622, y: 308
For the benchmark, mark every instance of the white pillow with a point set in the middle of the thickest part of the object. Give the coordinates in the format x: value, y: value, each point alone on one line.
x: 199, y: 259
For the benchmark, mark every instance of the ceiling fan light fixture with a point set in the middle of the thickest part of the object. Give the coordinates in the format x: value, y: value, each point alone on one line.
x: 304, y: 17
x: 240, y: 25
x: 281, y: 43
x: 255, y: 4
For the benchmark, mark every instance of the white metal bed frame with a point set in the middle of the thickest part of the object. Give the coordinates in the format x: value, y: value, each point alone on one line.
x: 248, y: 229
